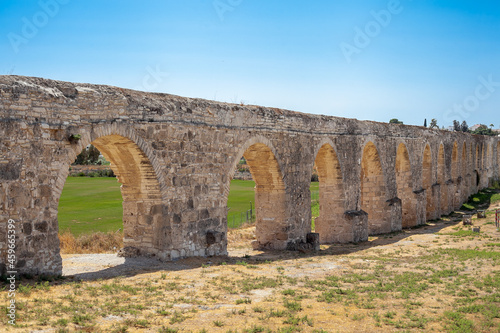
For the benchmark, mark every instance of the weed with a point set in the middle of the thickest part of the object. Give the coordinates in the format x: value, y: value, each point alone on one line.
x: 456, y: 322
x: 292, y: 306
x: 245, y: 300
x: 164, y: 329
x: 177, y: 317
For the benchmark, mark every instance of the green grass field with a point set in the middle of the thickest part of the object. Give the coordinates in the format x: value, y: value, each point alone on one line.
x: 90, y: 204
x: 240, y: 196
x: 95, y: 204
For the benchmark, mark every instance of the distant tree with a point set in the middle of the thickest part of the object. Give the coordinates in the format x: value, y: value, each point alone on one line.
x: 484, y: 130
x: 491, y: 125
x: 93, y: 155
x: 464, y: 127
x: 434, y: 123
x: 82, y: 158
x: 425, y: 122
x: 456, y: 126
x: 395, y: 121
x: 88, y: 156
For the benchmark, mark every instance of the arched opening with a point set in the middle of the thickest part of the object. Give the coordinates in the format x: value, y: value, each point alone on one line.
x: 455, y: 177
x: 405, y: 187
x: 464, y: 172
x: 470, y: 168
x: 270, y: 210
x: 454, y: 162
x: 442, y: 181
x: 482, y: 171
x: 464, y: 160
x: 498, y: 159
x: 427, y: 182
x: 477, y: 164
x: 330, y: 224
x: 142, y: 205
x: 488, y: 162
x: 482, y: 157
x: 487, y: 157
x: 373, y: 191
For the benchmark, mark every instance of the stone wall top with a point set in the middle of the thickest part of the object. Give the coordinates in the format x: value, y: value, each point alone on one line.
x: 56, y: 103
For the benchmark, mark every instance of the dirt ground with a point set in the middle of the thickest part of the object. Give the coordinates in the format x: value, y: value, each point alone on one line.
x: 439, y: 277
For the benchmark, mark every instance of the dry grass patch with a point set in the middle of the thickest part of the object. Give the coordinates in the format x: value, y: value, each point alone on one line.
x: 98, y: 242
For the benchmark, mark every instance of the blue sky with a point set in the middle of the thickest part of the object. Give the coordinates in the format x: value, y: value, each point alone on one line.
x: 373, y: 60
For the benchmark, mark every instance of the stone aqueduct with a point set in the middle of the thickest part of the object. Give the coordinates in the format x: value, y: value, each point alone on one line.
x: 175, y: 158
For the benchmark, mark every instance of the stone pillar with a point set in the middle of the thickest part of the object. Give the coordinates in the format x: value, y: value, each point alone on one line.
x: 433, y: 202
x: 393, y: 211
x: 420, y: 202
x: 358, y: 220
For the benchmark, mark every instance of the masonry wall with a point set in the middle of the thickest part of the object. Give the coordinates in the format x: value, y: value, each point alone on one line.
x: 175, y: 158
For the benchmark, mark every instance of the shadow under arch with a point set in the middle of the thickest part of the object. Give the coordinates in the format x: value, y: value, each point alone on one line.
x: 143, y: 213
x: 331, y: 224
x: 270, y: 196
x: 373, y: 191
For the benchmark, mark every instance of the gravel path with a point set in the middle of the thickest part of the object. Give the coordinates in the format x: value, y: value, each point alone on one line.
x: 102, y: 266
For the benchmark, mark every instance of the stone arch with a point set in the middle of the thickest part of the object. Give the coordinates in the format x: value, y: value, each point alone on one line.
x: 270, y: 195
x: 143, y: 221
x: 456, y: 179
x: 427, y: 182
x: 331, y: 225
x: 482, y: 157
x: 477, y: 159
x: 488, y: 154
x: 258, y: 139
x: 498, y: 159
x: 454, y: 162
x: 464, y: 160
x: 373, y: 190
x: 442, y: 180
x: 470, y: 169
x: 404, y: 183
x: 465, y: 185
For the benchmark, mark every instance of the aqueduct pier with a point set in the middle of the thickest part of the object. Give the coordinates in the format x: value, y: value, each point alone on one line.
x: 175, y: 158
